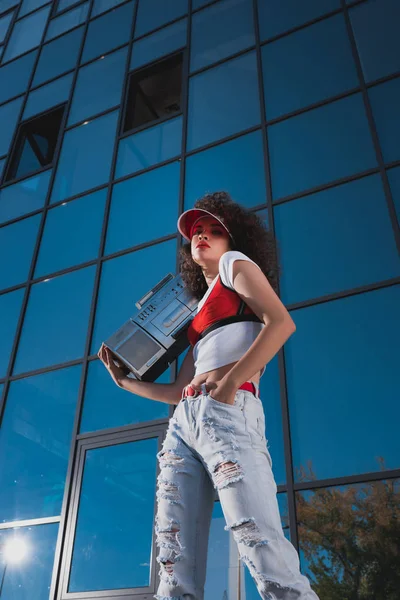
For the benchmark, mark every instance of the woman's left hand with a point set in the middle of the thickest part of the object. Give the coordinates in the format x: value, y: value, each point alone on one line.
x: 223, y: 391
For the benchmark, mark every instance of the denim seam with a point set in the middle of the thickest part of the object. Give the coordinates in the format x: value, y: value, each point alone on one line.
x: 197, y: 530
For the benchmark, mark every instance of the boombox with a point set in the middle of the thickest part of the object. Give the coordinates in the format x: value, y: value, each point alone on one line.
x: 155, y: 335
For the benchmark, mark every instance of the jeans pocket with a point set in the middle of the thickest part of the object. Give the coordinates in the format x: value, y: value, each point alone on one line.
x: 235, y: 406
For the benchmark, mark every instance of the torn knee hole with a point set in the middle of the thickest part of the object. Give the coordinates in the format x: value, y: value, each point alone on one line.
x: 168, y: 490
x: 226, y: 473
x: 246, y: 531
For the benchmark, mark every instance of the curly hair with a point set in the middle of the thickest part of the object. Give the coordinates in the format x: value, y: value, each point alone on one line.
x: 249, y: 233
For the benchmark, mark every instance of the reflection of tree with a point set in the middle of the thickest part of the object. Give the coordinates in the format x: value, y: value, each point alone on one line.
x: 350, y: 536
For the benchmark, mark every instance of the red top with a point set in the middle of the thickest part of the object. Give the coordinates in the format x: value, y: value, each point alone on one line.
x: 222, y: 307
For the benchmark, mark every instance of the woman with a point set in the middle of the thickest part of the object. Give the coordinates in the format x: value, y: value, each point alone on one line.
x: 216, y: 437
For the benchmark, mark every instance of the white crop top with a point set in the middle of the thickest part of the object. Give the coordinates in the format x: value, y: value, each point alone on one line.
x: 216, y: 348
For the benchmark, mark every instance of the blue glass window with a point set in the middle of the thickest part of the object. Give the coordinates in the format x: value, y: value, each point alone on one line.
x: 118, y: 482
x: 149, y: 147
x: 343, y: 235
x: 199, y: 3
x: 108, y: 32
x: 227, y: 167
x: 48, y: 96
x: 30, y: 5
x: 66, y: 21
x: 278, y: 17
x: 6, y: 4
x: 10, y: 308
x: 106, y: 404
x: 30, y: 579
x: 223, y: 101
x: 270, y: 398
x: 26, y: 33
x: 319, y: 146
x: 4, y: 25
x: 98, y: 86
x: 394, y: 180
x: 64, y: 4
x: 14, y: 76
x: 58, y: 57
x: 132, y: 195
x: 101, y: 6
x: 123, y: 291
x: 155, y: 13
x: 35, y: 438
x: 2, y: 163
x: 385, y: 100
x: 58, y: 309
x: 23, y: 197
x: 85, y: 157
x: 334, y: 385
x: 84, y: 217
x: 376, y: 31
x: 18, y: 241
x: 295, y: 75
x: 163, y: 42
x: 230, y: 28
x: 8, y: 119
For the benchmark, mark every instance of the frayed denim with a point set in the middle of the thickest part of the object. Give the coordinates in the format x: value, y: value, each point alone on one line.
x: 210, y: 448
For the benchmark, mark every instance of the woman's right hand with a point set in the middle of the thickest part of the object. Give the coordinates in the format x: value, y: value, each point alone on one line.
x: 118, y: 374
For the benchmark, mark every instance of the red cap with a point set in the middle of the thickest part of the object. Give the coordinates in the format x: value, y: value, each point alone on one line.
x: 187, y: 220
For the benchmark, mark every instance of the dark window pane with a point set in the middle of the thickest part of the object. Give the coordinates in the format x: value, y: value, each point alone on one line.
x: 66, y: 21
x: 154, y: 92
x: 385, y: 100
x: 108, y: 32
x: 58, y: 57
x: 223, y: 101
x: 8, y: 119
x: 84, y: 217
x: 98, y: 86
x: 30, y: 5
x: 17, y: 241
x: 14, y: 76
x: 26, y: 34
x: 376, y: 29
x: 4, y: 25
x: 319, y: 146
x: 106, y: 405
x: 10, y: 308
x: 58, y: 309
x: 2, y: 163
x: 230, y: 28
x: 227, y: 167
x: 131, y: 195
x: 48, y: 96
x: 394, y: 180
x: 64, y: 4
x: 85, y: 157
x: 163, y: 42
x: 343, y: 235
x: 352, y: 521
x: 149, y: 147
x: 343, y: 403
x: 277, y: 17
x: 101, y: 6
x: 35, y: 144
x: 295, y: 75
x: 154, y: 13
x: 24, y: 197
x: 35, y: 438
x: 113, y: 538
x: 30, y: 578
x: 148, y: 267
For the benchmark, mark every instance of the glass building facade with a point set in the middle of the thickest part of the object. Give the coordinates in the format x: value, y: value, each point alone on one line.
x: 114, y: 118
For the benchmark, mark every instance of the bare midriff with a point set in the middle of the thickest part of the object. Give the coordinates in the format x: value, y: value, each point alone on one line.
x: 212, y: 378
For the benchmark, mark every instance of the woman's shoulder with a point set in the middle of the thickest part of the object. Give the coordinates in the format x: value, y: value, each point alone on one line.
x: 226, y: 265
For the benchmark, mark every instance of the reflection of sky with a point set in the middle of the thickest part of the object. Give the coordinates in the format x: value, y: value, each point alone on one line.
x: 30, y: 579
x: 115, y: 521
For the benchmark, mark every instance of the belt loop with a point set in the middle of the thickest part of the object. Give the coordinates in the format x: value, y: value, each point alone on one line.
x: 257, y: 389
x: 203, y: 389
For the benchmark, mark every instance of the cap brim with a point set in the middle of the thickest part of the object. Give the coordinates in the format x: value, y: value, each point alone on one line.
x: 188, y: 218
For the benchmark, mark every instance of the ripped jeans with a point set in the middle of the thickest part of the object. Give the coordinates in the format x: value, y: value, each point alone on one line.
x: 214, y: 445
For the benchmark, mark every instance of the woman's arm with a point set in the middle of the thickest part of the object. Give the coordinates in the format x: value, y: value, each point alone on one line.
x: 254, y: 288
x: 169, y: 393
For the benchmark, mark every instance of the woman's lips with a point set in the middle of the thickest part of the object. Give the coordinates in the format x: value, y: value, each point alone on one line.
x: 202, y: 246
